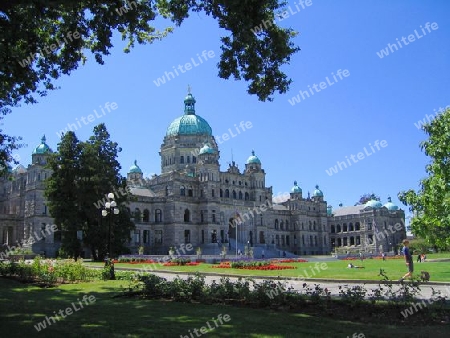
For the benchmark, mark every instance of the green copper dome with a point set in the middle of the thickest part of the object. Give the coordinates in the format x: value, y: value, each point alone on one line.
x: 296, y: 188
x: 206, y: 149
x: 373, y: 204
x: 253, y: 159
x: 43, y: 148
x: 390, y: 206
x: 317, y: 192
x: 189, y: 123
x: 135, y: 168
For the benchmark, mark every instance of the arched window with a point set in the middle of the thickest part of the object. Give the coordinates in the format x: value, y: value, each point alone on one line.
x: 190, y: 191
x: 352, y: 240
x: 240, y: 195
x: 137, y: 214
x: 247, y: 196
x: 281, y: 225
x: 146, y: 216
x: 221, y: 193
x: 276, y: 224
x: 182, y: 191
x: 234, y: 194
x: 158, y: 216
x: 187, y: 215
x: 357, y: 226
x: 287, y: 225
x: 314, y: 226
x: 344, y: 227
x: 338, y: 228
x: 227, y: 193
x: 310, y: 225
x: 332, y: 229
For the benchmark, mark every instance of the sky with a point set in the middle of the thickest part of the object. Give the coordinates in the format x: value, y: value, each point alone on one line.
x: 357, y: 107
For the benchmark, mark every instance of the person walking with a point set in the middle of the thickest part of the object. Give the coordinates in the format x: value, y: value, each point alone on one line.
x: 408, y: 260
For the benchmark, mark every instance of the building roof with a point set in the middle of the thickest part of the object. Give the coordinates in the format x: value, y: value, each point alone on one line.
x: 352, y: 210
x: 144, y: 192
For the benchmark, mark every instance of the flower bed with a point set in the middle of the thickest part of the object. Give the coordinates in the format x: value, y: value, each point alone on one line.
x: 252, y: 266
x: 181, y: 264
x: 290, y: 260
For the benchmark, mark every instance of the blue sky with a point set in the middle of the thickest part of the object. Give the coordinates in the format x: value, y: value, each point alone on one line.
x: 380, y: 99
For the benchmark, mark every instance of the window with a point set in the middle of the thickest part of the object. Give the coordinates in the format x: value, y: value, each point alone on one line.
x: 221, y: 193
x: 146, y: 216
x: 344, y: 227
x: 137, y: 236
x: 240, y: 195
x: 146, y: 236
x: 332, y: 229
x: 158, y: 236
x: 182, y: 191
x: 214, y: 216
x: 357, y: 226
x: 287, y: 226
x: 338, y: 228
x: 194, y: 159
x: 158, y: 216
x: 190, y: 192
x: 247, y: 196
x: 137, y: 214
x: 181, y: 159
x: 227, y: 193
x: 212, y: 193
x: 234, y: 194
x: 369, y: 226
x: 167, y: 190
x: 187, y: 215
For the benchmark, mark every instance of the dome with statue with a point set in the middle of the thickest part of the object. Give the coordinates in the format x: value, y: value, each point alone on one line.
x: 189, y: 123
x: 253, y: 159
x: 42, y: 148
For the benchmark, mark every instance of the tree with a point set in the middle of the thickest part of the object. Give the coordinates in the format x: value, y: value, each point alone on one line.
x: 63, y: 195
x: 44, y: 39
x: 431, y: 203
x: 83, y: 174
x: 367, y: 197
x: 100, y: 176
x: 41, y: 40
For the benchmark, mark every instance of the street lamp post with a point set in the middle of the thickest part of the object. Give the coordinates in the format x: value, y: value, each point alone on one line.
x: 110, y: 209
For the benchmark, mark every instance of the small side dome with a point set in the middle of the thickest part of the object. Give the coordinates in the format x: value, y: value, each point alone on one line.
x: 253, y: 159
x: 296, y: 188
x: 43, y: 148
x: 373, y: 204
x: 390, y: 206
x: 135, y: 168
x: 329, y: 210
x: 317, y: 192
x: 206, y: 149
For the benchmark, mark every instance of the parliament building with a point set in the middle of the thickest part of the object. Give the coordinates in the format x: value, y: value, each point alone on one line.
x: 193, y: 201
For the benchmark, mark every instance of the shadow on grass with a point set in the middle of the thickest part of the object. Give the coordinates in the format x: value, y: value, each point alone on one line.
x: 23, y: 306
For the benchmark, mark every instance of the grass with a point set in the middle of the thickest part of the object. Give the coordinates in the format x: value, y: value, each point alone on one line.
x: 394, y: 268
x: 22, y: 306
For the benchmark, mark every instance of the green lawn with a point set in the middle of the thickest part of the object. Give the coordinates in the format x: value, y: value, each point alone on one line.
x: 23, y: 306
x: 394, y: 268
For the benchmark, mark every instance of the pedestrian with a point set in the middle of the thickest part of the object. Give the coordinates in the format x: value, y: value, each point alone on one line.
x: 419, y: 258
x: 361, y: 257
x: 383, y: 255
x: 262, y: 254
x: 284, y: 253
x: 408, y: 260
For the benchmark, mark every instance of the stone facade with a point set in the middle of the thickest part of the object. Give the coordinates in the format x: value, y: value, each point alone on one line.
x: 192, y: 201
